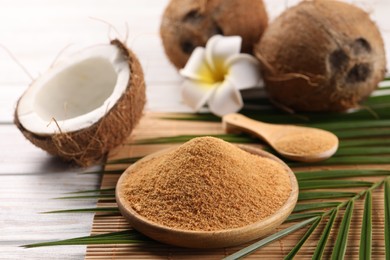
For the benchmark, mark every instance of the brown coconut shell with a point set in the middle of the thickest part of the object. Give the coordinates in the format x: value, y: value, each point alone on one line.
x: 90, y: 145
x: 187, y: 24
x: 321, y: 56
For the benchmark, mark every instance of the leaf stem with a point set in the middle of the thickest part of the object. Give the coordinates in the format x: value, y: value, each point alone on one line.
x: 357, y: 196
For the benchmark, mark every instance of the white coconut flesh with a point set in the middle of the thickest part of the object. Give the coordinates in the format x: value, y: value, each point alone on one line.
x: 76, y: 92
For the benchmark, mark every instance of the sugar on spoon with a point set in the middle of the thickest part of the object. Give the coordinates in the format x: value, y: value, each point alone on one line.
x: 296, y: 143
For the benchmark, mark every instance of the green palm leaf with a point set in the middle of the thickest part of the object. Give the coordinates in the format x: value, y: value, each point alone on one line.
x: 119, y: 171
x: 359, y: 133
x: 233, y: 138
x: 318, y: 252
x: 300, y: 216
x: 93, y: 191
x: 326, y: 184
x: 375, y: 100
x: 366, y: 232
x: 377, y: 109
x: 85, y: 210
x: 312, y: 206
x: 356, y: 124
x: 364, y: 142
x: 324, y: 195
x: 346, y: 160
x: 122, y: 237
x: 99, y: 196
x: 298, y: 246
x: 342, y: 236
x: 362, y: 151
x: 124, y: 160
x: 369, y: 124
x: 331, y: 174
x: 249, y: 249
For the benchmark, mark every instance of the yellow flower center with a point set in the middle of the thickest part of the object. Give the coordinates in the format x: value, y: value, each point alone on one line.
x: 213, y: 76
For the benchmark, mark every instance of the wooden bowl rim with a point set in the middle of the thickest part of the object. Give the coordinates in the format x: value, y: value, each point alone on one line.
x: 141, y: 223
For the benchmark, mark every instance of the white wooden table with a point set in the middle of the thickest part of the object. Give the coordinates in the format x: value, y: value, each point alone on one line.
x: 36, y: 32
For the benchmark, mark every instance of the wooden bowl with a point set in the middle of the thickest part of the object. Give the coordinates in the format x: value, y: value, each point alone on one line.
x: 207, y: 239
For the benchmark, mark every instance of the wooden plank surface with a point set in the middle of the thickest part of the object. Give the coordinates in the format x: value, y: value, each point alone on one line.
x: 29, y: 180
x: 151, y: 126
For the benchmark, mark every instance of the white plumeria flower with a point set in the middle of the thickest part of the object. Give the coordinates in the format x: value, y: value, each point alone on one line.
x: 216, y: 74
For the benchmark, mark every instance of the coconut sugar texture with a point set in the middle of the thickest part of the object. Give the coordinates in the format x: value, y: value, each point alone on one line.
x: 305, y: 143
x: 206, y: 185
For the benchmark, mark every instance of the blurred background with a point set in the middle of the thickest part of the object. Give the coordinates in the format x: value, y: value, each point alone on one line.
x: 37, y: 32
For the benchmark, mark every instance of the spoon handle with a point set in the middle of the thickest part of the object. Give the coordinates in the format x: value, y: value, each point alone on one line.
x: 237, y: 123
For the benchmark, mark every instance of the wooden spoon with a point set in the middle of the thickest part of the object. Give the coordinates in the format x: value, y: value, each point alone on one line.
x: 205, y: 239
x: 297, y: 143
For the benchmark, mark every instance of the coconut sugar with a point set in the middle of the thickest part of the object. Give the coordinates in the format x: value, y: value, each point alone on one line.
x: 306, y: 143
x: 207, y: 184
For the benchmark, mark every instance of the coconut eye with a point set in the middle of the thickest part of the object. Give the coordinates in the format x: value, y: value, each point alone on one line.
x: 187, y: 47
x: 338, y: 59
x: 361, y: 46
x: 359, y: 73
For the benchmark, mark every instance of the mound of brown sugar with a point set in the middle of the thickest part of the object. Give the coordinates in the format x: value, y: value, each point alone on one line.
x: 207, y: 184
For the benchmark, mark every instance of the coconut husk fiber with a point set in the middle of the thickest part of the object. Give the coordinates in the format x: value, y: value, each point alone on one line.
x: 321, y: 56
x: 187, y: 24
x: 90, y: 145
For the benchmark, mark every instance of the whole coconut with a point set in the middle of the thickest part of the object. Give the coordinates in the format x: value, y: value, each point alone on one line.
x: 187, y: 24
x: 321, y: 56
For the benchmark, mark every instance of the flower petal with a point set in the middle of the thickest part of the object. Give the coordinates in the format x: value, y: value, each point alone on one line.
x: 196, y: 67
x: 244, y: 71
x: 225, y: 99
x: 195, y: 93
x: 220, y: 48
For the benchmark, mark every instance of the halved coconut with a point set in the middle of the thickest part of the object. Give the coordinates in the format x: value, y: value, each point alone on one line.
x: 85, y: 105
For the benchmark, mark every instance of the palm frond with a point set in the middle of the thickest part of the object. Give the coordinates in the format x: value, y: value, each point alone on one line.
x: 342, y: 236
x: 118, y: 171
x: 356, y: 124
x: 375, y: 108
x: 249, y: 249
x: 85, y: 210
x: 93, y: 191
x: 98, y: 196
x: 318, y: 252
x: 326, y: 184
x: 233, y: 138
x: 128, y: 160
x: 366, y: 151
x: 311, y: 206
x: 324, y: 195
x: 346, y: 160
x: 361, y: 133
x: 366, y: 231
x: 364, y: 142
x: 300, y: 216
x: 332, y: 174
x: 298, y: 246
x: 313, y: 218
x: 123, y: 237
